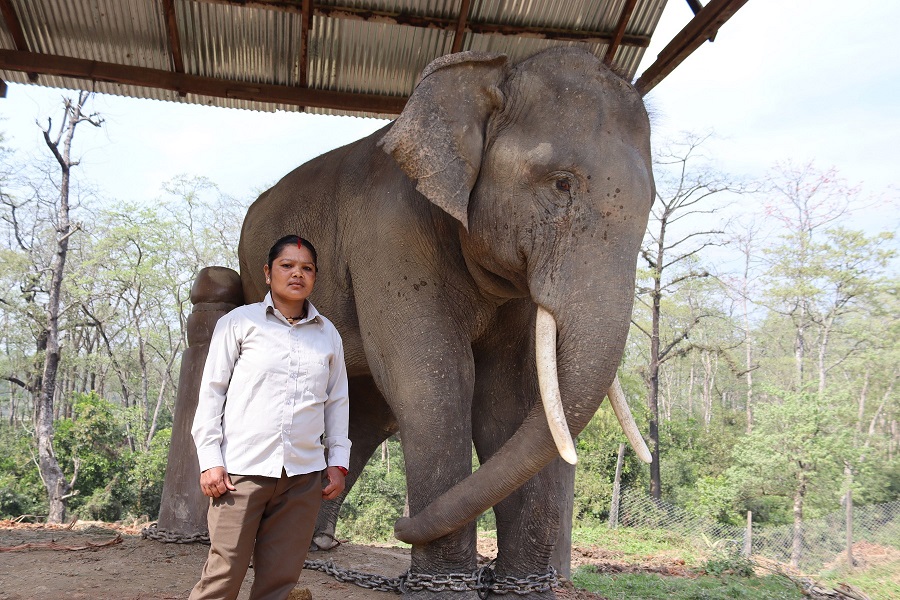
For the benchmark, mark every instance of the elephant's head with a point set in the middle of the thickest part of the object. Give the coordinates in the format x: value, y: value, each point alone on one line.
x: 546, y: 165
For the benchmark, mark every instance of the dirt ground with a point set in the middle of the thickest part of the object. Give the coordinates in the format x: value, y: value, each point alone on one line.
x: 99, y: 561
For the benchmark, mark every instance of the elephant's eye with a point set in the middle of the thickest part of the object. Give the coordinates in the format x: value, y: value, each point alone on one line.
x: 561, y: 189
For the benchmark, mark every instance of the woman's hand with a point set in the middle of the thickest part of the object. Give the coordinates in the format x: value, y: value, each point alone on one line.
x: 215, y: 482
x: 335, y: 483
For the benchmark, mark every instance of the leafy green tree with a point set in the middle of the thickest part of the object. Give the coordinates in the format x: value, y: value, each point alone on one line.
x: 377, y: 499
x: 597, y: 447
x: 21, y: 490
x: 797, y: 448
x: 147, y: 474
x: 93, y: 444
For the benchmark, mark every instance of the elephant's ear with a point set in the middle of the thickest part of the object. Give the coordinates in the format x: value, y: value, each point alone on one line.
x: 438, y: 139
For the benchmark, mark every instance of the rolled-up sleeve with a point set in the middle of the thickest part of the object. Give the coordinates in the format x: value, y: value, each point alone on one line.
x: 337, y: 411
x: 224, y: 349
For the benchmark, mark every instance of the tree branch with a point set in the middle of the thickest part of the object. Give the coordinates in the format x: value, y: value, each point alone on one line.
x: 19, y: 383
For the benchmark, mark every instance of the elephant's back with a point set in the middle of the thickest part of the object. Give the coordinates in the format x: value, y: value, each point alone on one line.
x: 307, y: 202
x: 320, y: 201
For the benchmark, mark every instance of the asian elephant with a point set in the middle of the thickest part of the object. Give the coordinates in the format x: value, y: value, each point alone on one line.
x: 505, y: 201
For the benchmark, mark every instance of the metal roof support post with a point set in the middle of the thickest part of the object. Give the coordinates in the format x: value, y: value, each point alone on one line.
x: 613, y: 47
x: 461, y: 26
x: 706, y: 23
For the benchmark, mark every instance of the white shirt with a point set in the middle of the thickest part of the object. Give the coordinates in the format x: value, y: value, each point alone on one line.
x: 269, y: 392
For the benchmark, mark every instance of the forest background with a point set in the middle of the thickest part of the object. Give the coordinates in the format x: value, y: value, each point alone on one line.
x: 772, y: 387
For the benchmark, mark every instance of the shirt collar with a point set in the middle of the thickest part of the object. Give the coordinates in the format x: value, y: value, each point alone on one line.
x: 312, y: 315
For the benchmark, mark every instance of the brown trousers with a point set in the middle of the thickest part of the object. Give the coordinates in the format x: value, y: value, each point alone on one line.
x: 272, y: 519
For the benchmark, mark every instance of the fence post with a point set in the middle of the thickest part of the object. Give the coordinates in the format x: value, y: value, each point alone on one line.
x: 748, y: 535
x: 617, y: 484
x: 849, y: 523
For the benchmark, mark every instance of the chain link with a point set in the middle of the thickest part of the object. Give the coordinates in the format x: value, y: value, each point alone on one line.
x: 153, y: 532
x: 483, y: 580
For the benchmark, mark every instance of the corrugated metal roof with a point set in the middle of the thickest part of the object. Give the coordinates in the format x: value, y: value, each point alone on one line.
x: 375, y: 47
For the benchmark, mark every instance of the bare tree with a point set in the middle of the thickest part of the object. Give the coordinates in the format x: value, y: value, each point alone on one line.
x: 683, y: 192
x: 57, y: 486
x: 745, y: 240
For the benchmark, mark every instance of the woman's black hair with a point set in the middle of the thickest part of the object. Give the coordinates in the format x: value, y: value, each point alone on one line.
x: 291, y: 240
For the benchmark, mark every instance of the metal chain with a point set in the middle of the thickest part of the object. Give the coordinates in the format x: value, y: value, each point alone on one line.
x: 152, y: 532
x: 379, y: 583
x: 483, y: 580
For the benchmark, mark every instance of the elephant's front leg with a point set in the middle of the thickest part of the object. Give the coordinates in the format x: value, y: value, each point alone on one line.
x: 505, y: 390
x: 424, y: 368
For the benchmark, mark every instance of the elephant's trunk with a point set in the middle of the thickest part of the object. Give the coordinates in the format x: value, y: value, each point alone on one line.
x: 541, y: 435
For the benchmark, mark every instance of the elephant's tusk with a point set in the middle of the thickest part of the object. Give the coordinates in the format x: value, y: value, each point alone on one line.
x: 548, y: 380
x: 623, y: 414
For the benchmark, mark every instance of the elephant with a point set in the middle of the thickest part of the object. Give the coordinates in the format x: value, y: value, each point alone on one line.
x: 497, y: 219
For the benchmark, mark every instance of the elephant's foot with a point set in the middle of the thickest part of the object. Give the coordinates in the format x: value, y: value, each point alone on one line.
x: 323, y: 541
x: 469, y: 594
x: 446, y: 594
x: 528, y: 586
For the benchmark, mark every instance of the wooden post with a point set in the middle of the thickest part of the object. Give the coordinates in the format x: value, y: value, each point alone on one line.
x: 183, y: 506
x: 617, y: 486
x: 748, y: 536
x: 849, y: 521
x: 562, y: 553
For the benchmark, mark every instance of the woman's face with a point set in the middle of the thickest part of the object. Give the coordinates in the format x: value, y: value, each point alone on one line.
x: 292, y: 275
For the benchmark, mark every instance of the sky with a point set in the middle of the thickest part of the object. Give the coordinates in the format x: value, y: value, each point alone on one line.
x: 799, y: 80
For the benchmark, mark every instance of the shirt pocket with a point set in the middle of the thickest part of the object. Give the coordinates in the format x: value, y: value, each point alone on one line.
x: 317, y: 372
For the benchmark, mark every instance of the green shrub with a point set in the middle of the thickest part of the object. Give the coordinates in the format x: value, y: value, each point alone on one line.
x: 148, y: 471
x: 21, y: 490
x: 722, y: 563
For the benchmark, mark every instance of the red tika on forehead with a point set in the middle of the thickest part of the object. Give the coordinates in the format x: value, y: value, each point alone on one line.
x: 299, y: 242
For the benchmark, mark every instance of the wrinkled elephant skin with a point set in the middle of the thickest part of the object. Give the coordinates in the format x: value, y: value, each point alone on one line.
x: 499, y: 189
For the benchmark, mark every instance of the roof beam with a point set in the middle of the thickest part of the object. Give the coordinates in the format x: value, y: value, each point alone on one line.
x: 613, y: 46
x: 305, y: 26
x: 13, y: 25
x: 697, y: 7
x: 172, y: 34
x: 705, y: 24
x: 18, y: 34
x: 90, y: 70
x: 483, y: 28
x: 460, y: 26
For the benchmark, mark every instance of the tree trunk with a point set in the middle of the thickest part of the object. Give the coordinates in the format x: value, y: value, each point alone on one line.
x: 653, y: 397
x: 800, y: 347
x: 690, y: 391
x: 799, y: 498
x: 708, y: 379
x: 823, y: 351
x: 748, y: 348
x: 58, y: 489
x: 848, y: 500
x: 861, y: 403
x: 652, y: 401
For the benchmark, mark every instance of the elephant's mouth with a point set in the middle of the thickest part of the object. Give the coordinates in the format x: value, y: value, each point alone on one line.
x: 545, y: 356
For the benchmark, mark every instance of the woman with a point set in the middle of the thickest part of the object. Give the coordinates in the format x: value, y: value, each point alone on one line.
x: 273, y: 400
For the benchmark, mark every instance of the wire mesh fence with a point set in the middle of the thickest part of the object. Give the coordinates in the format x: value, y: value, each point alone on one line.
x: 819, y: 542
